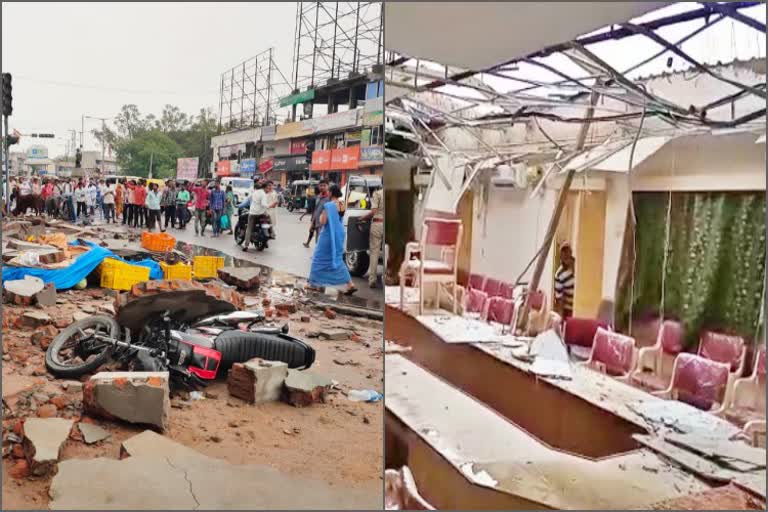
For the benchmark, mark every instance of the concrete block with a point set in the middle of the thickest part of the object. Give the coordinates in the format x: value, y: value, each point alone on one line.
x: 334, y: 334
x: 303, y: 388
x: 35, y: 319
x: 257, y: 380
x: 135, y: 397
x: 42, y: 443
x: 46, y: 297
x: 92, y: 433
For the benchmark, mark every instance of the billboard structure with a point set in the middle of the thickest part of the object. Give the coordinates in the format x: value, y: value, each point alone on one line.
x: 334, y: 39
x: 186, y: 168
x: 250, y: 93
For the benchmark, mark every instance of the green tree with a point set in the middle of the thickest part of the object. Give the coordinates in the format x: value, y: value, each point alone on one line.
x: 134, y: 156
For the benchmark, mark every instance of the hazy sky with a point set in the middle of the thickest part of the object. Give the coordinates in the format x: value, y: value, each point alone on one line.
x: 69, y: 59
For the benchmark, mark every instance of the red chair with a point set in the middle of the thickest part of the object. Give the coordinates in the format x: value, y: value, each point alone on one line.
x: 507, y: 290
x: 579, y: 335
x: 650, y: 374
x: 724, y: 348
x: 501, y: 311
x: 538, y: 301
x: 613, y: 354
x: 699, y: 382
x: 747, y: 402
x: 476, y: 281
x: 442, y: 236
x: 492, y: 287
x: 475, y: 303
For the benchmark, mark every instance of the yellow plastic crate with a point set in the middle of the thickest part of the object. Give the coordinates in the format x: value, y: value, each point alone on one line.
x: 109, y: 264
x: 177, y: 271
x: 122, y: 276
x: 206, y: 267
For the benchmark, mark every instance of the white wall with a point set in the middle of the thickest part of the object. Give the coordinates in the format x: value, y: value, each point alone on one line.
x: 508, y: 230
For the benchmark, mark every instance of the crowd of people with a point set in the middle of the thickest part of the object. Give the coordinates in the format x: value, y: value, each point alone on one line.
x: 136, y: 203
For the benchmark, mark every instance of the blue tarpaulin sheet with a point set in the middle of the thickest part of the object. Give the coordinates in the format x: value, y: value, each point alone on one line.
x: 65, y: 278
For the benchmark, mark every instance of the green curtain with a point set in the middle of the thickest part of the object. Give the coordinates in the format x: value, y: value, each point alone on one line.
x: 715, y: 266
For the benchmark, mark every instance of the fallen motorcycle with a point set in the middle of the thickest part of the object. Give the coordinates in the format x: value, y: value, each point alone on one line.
x: 193, y: 352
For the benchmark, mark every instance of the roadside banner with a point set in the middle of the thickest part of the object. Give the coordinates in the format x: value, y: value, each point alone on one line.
x: 186, y: 168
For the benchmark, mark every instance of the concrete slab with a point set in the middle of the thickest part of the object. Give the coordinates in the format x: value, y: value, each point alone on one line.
x: 257, y: 380
x: 305, y: 388
x: 92, y: 433
x: 135, y: 397
x: 195, y: 483
x: 43, y: 438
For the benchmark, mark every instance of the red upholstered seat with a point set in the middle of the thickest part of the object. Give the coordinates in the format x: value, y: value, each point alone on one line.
x: 672, y: 336
x: 476, y: 281
x: 613, y: 351
x: 506, y: 290
x: 492, y: 287
x: 537, y: 300
x: 699, y: 381
x: 501, y: 310
x: 475, y: 301
x: 581, y: 331
x: 723, y: 348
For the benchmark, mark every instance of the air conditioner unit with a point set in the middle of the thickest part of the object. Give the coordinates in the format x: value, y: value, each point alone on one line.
x: 510, y: 176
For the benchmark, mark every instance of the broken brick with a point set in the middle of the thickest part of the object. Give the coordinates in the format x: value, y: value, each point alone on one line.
x: 289, y: 307
x: 257, y: 380
x: 330, y: 314
x: 47, y: 411
x: 303, y: 388
x: 20, y: 469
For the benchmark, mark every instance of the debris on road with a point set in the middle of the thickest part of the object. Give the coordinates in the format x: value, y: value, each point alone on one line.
x: 304, y: 388
x: 135, y: 397
x: 92, y: 433
x: 257, y: 380
x: 43, y: 439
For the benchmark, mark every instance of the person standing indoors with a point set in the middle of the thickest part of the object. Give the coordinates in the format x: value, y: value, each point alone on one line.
x: 201, y: 195
x: 259, y: 206
x: 119, y: 197
x: 376, y: 233
x: 565, y: 282
x: 182, y: 199
x: 139, y: 205
x: 328, y: 266
x: 229, y: 209
x: 217, y: 200
x: 153, y: 207
x: 108, y: 201
x: 168, y: 204
x: 81, y: 198
x: 322, y: 197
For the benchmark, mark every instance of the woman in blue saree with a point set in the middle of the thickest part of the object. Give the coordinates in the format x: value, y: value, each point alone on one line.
x: 328, y: 267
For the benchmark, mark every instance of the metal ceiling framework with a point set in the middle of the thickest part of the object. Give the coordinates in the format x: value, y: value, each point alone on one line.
x: 334, y: 39
x: 417, y: 116
x: 250, y: 93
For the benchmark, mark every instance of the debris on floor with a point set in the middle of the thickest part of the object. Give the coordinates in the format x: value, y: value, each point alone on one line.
x: 136, y: 397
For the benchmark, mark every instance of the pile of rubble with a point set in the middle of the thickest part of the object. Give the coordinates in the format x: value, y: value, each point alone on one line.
x: 49, y: 424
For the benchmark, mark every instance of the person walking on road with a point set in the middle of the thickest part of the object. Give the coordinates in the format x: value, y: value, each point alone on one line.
x: 376, y: 233
x: 168, y: 204
x: 259, y: 206
x: 92, y: 197
x: 229, y: 209
x: 201, y: 196
x: 130, y: 192
x: 153, y: 207
x: 322, y: 197
x: 328, y: 267
x: 81, y: 198
x: 139, y: 205
x: 310, y: 201
x: 217, y: 200
x: 119, y: 198
x: 182, y: 199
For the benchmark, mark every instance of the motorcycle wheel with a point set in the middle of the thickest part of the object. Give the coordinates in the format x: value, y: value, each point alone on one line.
x: 289, y: 207
x: 62, y: 358
x: 239, y: 234
x: 261, y: 245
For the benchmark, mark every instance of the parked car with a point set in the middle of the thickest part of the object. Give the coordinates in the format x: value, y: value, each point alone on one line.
x: 241, y: 187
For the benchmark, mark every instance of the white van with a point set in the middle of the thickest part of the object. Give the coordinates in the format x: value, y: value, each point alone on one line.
x: 241, y: 187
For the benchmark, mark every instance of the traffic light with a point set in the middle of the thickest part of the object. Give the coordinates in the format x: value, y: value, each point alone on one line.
x: 310, y: 148
x: 7, y: 96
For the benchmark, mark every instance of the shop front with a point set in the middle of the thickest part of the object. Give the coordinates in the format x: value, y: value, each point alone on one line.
x: 289, y: 168
x: 371, y: 160
x: 335, y: 164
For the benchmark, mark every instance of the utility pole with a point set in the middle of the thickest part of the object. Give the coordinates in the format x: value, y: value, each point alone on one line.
x: 151, y: 156
x: 555, y: 220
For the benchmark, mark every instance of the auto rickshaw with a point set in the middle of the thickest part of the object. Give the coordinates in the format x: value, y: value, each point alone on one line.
x: 296, y: 194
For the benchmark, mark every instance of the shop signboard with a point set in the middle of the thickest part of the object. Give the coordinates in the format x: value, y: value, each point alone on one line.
x: 299, y: 97
x: 268, y: 133
x: 292, y: 130
x: 321, y: 160
x: 186, y: 168
x: 298, y: 146
x: 345, y: 158
x: 337, y: 121
x: 248, y: 167
x: 371, y: 155
x: 223, y: 168
x: 266, y: 166
x: 290, y: 163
